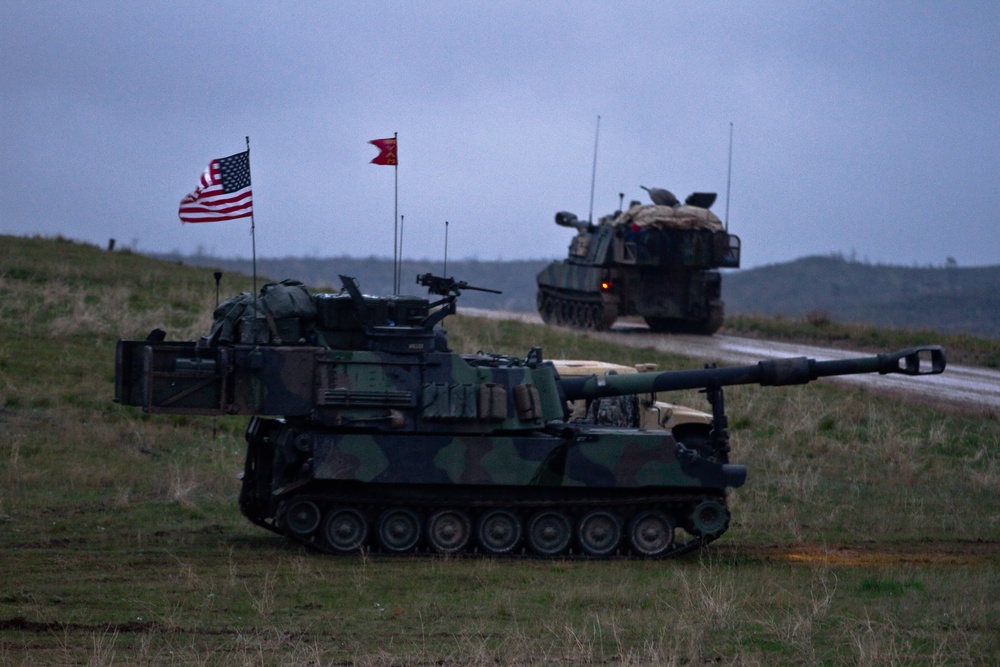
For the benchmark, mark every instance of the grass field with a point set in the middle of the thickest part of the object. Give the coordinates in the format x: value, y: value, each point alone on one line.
x: 868, y: 532
x: 817, y: 328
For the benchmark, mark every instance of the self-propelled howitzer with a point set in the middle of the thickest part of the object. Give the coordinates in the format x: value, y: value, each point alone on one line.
x: 660, y: 262
x: 368, y: 433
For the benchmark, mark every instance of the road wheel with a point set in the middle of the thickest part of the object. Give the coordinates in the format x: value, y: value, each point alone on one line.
x: 346, y: 529
x: 449, y: 531
x: 399, y: 529
x: 651, y: 533
x: 498, y: 532
x: 549, y: 532
x: 599, y: 533
x: 565, y: 313
x: 302, y: 517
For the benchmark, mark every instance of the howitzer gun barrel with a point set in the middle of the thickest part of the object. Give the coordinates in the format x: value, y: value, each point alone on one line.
x: 926, y: 360
x: 567, y: 219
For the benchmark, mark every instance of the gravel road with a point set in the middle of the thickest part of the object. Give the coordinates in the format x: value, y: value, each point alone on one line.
x: 971, y: 387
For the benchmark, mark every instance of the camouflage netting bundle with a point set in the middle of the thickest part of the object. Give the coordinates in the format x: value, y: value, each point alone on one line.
x: 237, y: 320
x: 672, y: 217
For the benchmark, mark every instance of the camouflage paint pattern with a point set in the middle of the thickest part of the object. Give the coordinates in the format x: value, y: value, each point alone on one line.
x: 599, y: 458
x: 385, y: 391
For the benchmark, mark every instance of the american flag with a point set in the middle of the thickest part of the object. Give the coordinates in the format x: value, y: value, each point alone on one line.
x: 223, y: 194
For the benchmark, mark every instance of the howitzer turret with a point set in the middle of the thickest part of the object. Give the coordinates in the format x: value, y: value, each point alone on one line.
x: 368, y: 433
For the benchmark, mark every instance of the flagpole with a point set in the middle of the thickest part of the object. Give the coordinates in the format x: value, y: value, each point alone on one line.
x: 399, y: 280
x: 388, y: 152
x: 395, y: 229
x: 253, y: 236
x: 253, y: 246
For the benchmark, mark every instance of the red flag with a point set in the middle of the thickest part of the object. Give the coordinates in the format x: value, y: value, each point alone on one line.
x: 388, y: 148
x: 223, y: 193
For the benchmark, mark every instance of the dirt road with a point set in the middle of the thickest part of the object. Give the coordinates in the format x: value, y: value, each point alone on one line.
x: 972, y: 387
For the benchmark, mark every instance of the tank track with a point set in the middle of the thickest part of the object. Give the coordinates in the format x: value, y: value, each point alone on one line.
x: 580, y: 311
x: 311, y: 531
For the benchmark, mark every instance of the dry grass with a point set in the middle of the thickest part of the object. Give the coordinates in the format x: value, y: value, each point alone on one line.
x: 867, y: 532
x: 817, y: 328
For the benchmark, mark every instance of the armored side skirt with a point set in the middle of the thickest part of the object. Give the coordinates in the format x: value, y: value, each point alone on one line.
x: 594, y: 458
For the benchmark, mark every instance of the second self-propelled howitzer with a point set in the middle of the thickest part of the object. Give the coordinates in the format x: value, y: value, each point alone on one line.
x: 367, y: 433
x: 660, y: 262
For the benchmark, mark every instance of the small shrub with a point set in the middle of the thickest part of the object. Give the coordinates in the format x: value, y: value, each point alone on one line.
x: 819, y: 318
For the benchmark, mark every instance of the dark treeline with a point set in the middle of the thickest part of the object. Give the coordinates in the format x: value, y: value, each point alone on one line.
x: 949, y: 299
x: 515, y: 279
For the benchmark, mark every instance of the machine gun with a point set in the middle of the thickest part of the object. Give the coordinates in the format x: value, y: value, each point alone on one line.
x: 450, y: 289
x: 448, y: 286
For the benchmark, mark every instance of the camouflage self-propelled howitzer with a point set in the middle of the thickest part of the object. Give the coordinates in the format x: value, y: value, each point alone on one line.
x: 658, y: 261
x: 368, y: 433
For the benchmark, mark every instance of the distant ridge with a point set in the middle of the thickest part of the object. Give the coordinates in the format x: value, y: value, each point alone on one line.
x: 947, y: 299
x: 516, y: 279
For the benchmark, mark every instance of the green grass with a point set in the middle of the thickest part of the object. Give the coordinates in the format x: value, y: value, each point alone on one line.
x: 819, y: 329
x: 867, y: 533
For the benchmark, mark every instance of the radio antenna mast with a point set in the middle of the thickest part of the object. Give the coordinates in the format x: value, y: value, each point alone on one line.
x: 445, y: 248
x: 593, y: 172
x: 729, y: 174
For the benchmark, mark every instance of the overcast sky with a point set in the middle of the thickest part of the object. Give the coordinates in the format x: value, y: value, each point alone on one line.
x: 864, y: 128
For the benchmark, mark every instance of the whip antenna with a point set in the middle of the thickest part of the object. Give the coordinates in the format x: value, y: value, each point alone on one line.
x: 593, y: 172
x: 729, y: 174
x: 445, y: 249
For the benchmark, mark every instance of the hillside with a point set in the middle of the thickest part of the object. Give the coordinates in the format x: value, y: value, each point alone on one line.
x: 951, y: 300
